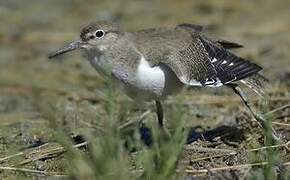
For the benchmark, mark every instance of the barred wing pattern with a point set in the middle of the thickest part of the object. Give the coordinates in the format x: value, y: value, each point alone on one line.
x: 228, y: 66
x: 195, y: 59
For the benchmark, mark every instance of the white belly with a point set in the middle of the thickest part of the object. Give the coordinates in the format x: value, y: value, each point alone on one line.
x: 150, y: 78
x: 146, y: 83
x: 153, y: 82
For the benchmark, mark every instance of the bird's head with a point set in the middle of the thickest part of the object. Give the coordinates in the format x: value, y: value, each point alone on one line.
x: 99, y: 35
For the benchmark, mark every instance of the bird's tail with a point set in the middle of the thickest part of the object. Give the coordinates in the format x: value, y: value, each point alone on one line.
x: 258, y: 83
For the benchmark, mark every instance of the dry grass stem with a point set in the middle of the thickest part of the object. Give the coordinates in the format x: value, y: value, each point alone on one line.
x: 194, y: 172
x: 46, y: 173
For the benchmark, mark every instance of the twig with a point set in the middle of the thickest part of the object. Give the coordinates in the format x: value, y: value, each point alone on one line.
x: 211, y: 157
x: 278, y: 109
x: 45, y: 154
x: 139, y: 119
x: 18, y: 154
x: 202, y: 171
x: 211, y: 150
x: 50, y: 153
x: 234, y: 152
x: 32, y: 171
x: 267, y: 147
x: 236, y: 167
x: 11, y: 156
x: 281, y: 124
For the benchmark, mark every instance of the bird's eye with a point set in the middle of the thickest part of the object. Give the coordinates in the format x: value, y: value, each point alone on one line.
x: 99, y: 33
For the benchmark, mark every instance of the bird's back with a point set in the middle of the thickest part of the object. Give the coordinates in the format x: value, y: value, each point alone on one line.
x: 195, y: 59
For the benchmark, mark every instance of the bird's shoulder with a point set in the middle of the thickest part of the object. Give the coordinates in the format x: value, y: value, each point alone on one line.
x: 158, y: 44
x: 195, y: 58
x: 178, y: 48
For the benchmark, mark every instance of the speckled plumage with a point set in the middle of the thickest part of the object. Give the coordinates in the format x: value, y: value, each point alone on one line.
x: 190, y: 54
x: 152, y: 63
x: 181, y: 52
x: 177, y: 48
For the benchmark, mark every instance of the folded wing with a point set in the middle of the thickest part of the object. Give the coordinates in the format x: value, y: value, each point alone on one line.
x: 195, y: 59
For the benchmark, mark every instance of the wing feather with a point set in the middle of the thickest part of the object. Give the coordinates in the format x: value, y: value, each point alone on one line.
x: 194, y: 58
x: 178, y: 49
x: 229, y: 67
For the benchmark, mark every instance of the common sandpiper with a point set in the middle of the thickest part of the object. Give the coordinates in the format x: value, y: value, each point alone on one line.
x: 151, y: 64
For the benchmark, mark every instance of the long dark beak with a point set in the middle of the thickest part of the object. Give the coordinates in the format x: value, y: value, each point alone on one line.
x: 70, y: 47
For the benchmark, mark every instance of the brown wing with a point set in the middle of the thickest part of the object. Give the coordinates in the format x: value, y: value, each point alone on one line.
x: 194, y: 28
x: 192, y: 64
x: 179, y: 49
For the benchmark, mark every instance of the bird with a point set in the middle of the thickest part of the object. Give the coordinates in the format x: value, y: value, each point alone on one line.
x: 151, y: 64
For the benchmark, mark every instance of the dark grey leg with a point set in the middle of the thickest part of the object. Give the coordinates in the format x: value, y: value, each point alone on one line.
x: 257, y: 116
x: 159, y: 113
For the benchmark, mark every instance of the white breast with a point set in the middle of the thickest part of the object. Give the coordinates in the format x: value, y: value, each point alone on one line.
x: 146, y: 83
x: 150, y: 79
x: 152, y: 83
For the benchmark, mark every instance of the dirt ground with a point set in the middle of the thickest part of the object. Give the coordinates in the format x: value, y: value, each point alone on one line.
x: 34, y: 90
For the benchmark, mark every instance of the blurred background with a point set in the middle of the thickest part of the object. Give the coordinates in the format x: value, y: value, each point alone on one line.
x: 31, y: 29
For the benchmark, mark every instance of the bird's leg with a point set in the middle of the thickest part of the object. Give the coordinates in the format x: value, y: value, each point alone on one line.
x: 261, y: 119
x: 159, y: 113
x: 160, y: 116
